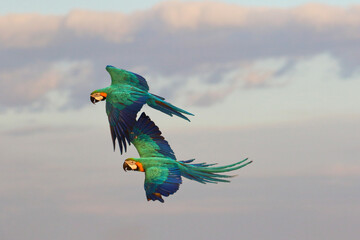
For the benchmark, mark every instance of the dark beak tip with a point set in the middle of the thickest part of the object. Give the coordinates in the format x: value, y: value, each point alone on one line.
x: 93, y: 100
x: 125, y: 166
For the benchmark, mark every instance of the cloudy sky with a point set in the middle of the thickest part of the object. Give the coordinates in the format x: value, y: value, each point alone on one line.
x: 277, y: 83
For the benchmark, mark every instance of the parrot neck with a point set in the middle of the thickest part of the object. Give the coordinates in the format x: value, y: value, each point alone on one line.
x: 140, y: 167
x: 139, y: 164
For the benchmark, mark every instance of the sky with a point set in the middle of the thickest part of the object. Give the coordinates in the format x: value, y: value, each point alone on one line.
x: 63, y: 7
x: 275, y: 82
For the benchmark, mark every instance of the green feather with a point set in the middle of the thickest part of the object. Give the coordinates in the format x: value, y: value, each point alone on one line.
x: 126, y: 95
x: 123, y: 77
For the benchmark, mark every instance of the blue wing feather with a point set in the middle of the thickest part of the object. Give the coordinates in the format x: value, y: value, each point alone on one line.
x: 161, y: 180
x: 146, y: 131
x: 141, y: 80
x: 122, y: 121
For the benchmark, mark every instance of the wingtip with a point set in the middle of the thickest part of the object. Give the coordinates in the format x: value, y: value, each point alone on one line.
x: 160, y: 199
x: 143, y: 115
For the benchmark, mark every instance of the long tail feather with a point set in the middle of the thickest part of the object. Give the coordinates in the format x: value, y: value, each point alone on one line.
x: 160, y: 104
x: 206, y: 173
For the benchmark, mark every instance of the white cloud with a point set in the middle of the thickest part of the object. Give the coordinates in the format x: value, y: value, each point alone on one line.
x: 112, y: 26
x: 211, y: 52
x: 28, y: 30
x: 311, y: 88
x: 35, y: 83
x: 34, y: 30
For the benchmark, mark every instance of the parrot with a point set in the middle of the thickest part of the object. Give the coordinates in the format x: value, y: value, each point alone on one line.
x: 163, y: 173
x: 125, y: 97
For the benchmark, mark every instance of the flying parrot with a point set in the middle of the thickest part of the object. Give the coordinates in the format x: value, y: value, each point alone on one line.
x: 125, y: 96
x: 162, y: 171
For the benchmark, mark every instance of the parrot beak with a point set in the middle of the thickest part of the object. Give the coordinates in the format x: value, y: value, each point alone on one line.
x: 126, y: 167
x: 93, y: 100
x: 96, y: 97
x: 130, y: 165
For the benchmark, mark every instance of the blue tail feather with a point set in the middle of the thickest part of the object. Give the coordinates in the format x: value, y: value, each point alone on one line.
x: 160, y: 104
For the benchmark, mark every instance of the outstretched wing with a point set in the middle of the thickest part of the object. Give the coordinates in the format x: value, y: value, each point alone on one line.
x: 148, y: 141
x: 120, y: 76
x: 161, y: 181
x: 122, y: 110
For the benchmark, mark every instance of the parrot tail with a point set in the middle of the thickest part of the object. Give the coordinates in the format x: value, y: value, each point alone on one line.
x: 206, y: 173
x: 160, y: 104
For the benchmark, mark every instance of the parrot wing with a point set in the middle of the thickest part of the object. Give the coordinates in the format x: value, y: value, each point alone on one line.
x: 161, y: 181
x: 148, y: 141
x: 122, y: 110
x: 120, y: 77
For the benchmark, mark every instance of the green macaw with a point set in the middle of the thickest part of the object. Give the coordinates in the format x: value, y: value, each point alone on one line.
x: 125, y: 96
x: 162, y: 171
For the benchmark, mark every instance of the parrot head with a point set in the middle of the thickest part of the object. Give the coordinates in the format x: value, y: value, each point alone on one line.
x: 130, y: 165
x: 97, y: 96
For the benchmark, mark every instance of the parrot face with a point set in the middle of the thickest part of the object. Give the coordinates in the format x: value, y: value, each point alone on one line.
x: 96, y: 97
x: 130, y: 165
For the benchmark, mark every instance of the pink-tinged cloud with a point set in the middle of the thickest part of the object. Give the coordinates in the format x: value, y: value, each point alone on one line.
x: 112, y: 26
x: 28, y: 30
x: 322, y: 16
x: 33, y: 30
x: 28, y: 84
x: 33, y: 84
x: 173, y: 40
x: 197, y: 14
